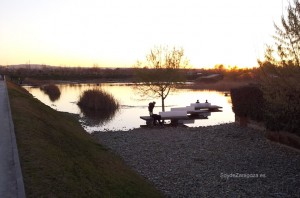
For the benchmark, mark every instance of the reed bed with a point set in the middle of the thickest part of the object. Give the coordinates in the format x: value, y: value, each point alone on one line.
x: 52, y: 91
x: 98, y: 104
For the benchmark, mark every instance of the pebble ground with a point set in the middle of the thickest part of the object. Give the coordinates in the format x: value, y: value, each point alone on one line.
x: 215, y: 161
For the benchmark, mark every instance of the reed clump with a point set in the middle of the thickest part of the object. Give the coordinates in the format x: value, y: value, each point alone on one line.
x: 97, y: 102
x: 52, y: 91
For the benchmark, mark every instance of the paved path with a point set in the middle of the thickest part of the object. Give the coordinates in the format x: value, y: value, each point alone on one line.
x: 11, y: 180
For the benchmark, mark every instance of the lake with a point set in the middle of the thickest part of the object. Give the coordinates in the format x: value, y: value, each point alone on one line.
x: 132, y: 106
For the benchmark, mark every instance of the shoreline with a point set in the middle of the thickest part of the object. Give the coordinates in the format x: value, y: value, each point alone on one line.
x: 208, y: 161
x: 221, y: 85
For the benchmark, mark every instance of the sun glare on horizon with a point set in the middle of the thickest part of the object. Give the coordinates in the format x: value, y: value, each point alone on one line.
x: 117, y: 33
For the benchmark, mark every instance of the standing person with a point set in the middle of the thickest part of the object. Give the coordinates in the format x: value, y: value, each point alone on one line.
x: 151, y: 107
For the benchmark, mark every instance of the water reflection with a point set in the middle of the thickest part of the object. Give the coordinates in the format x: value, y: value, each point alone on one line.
x: 132, y: 106
x: 96, y: 118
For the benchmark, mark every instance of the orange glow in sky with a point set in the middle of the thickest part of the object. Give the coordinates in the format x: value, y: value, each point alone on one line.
x: 117, y: 33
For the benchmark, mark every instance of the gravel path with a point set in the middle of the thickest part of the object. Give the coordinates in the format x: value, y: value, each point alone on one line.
x: 217, y: 161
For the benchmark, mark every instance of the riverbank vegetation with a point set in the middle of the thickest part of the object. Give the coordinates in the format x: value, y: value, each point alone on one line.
x: 98, y: 105
x: 281, y: 82
x: 275, y: 101
x: 59, y: 159
x: 52, y: 91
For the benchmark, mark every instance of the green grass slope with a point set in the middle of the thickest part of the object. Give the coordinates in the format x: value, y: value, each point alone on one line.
x: 59, y: 159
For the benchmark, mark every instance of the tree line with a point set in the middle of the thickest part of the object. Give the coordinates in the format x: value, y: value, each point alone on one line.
x: 87, y: 73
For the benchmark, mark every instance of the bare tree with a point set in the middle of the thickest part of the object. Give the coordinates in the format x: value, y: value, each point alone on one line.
x: 161, y: 72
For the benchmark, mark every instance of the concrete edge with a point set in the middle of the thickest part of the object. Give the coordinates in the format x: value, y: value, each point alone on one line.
x: 255, y: 126
x: 19, y: 176
x: 284, y: 145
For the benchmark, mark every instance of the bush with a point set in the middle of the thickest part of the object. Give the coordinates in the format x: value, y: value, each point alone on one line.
x: 52, y: 91
x: 282, y: 108
x: 279, y: 108
x: 98, y: 104
x: 248, y: 101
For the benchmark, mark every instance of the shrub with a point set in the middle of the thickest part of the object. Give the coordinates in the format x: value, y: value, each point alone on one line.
x: 282, y: 107
x: 248, y: 101
x: 279, y: 108
x: 98, y: 104
x: 281, y: 73
x: 52, y: 91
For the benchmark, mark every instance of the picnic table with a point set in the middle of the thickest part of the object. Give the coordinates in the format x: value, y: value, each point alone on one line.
x: 185, y: 115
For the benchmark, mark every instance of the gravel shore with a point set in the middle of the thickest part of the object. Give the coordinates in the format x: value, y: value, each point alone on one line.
x: 216, y: 161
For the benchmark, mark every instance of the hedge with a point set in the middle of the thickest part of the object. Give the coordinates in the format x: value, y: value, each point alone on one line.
x: 248, y: 102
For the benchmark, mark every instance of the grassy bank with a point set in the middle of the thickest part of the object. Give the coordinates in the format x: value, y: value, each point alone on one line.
x: 59, y: 159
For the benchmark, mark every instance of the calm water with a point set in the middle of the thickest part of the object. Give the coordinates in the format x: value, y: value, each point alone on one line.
x: 133, y: 106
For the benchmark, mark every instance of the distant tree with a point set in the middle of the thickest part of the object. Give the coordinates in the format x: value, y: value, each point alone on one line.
x: 286, y: 50
x: 220, y: 67
x: 160, y: 73
x: 281, y: 68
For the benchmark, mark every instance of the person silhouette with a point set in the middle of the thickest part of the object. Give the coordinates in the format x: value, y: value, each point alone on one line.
x: 156, y: 119
x: 151, y: 107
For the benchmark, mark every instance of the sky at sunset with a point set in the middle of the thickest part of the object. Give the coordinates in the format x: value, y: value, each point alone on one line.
x: 117, y: 33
